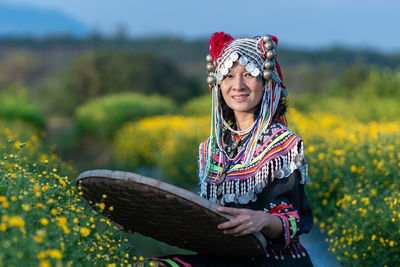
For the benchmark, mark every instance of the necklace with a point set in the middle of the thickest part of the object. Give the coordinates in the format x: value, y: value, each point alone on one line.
x: 238, y: 132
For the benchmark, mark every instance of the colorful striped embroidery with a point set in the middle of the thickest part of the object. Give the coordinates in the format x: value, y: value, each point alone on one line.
x: 278, y: 153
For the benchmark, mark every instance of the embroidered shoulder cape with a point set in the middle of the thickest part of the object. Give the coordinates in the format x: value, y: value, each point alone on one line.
x: 278, y: 153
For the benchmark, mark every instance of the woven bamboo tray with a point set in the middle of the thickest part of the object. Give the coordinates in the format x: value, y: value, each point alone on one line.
x: 166, y: 213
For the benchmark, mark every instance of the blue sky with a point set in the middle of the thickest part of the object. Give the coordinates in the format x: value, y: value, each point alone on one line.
x: 307, y: 23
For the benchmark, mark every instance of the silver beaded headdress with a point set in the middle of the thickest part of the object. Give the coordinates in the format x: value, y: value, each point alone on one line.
x: 256, y: 54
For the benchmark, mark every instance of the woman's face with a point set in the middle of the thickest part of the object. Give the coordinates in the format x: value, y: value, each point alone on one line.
x: 241, y: 91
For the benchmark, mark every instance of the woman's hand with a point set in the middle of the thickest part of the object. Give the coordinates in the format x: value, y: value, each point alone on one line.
x: 246, y: 221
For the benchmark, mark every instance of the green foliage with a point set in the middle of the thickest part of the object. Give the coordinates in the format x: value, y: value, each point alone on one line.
x: 101, y: 117
x: 15, y: 105
x: 96, y: 74
x: 198, y: 106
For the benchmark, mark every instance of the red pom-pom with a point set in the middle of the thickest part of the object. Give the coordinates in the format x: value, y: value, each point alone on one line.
x: 274, y: 39
x: 218, y: 42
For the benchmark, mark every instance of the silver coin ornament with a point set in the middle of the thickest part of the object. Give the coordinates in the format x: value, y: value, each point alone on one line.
x: 269, y: 45
x: 211, y: 79
x: 209, y: 58
x: 286, y: 171
x: 255, y: 72
x: 210, y: 67
x: 229, y: 63
x: 269, y: 64
x: 250, y: 67
x: 271, y: 54
x: 278, y: 174
x: 224, y: 70
x: 267, y: 74
x: 234, y: 56
x: 267, y: 38
x: 243, y: 60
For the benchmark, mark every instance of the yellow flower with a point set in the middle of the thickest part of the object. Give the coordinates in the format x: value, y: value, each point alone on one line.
x: 111, y: 265
x: 76, y: 220
x: 3, y: 227
x: 16, y: 221
x: 353, y: 168
x: 373, y: 192
x: 44, y: 221
x: 42, y: 255
x: 55, y: 254
x: 84, y: 231
x: 61, y: 221
x: 5, y: 204
x: 38, y: 239
x: 2, y: 199
x: 45, y: 263
x: 53, y: 211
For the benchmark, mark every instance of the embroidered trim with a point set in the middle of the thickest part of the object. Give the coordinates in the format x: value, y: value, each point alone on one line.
x: 289, y: 217
x: 277, y: 154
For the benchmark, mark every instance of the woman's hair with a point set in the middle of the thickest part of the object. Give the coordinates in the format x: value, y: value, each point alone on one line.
x: 228, y: 114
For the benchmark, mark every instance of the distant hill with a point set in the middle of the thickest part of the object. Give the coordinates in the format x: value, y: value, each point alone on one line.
x: 24, y: 20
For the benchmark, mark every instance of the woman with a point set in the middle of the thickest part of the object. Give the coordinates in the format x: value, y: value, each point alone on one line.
x: 252, y: 165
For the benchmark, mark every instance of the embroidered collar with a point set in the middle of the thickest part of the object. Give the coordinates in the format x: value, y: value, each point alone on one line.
x: 278, y: 153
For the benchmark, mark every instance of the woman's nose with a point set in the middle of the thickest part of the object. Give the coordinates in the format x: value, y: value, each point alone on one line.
x: 238, y: 83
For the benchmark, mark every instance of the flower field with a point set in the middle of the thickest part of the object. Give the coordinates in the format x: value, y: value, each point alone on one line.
x: 168, y: 142
x: 354, y: 189
x: 42, y: 220
x: 354, y: 170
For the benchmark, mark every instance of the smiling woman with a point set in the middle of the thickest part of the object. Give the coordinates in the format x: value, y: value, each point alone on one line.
x: 252, y: 165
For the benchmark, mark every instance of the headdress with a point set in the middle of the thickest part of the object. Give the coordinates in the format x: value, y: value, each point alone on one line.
x: 257, y: 54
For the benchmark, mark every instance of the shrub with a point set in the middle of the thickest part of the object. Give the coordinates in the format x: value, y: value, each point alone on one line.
x: 200, y: 106
x: 101, y: 117
x: 17, y: 108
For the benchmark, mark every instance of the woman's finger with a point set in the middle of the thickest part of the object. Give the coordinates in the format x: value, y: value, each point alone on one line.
x: 230, y: 211
x: 229, y: 224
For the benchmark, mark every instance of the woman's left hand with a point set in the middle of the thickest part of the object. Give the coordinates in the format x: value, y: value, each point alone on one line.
x: 246, y: 221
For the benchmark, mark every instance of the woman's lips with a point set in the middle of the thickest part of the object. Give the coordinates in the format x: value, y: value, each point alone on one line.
x: 240, y: 98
